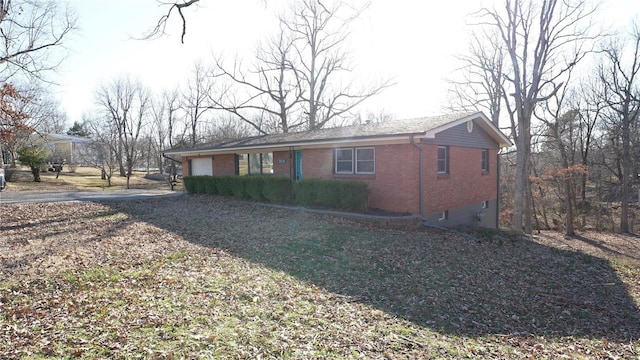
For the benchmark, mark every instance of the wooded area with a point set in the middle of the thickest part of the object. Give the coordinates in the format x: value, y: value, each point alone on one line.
x: 570, y: 96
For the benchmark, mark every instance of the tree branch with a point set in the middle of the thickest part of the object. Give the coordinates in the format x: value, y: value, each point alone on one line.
x: 160, y: 27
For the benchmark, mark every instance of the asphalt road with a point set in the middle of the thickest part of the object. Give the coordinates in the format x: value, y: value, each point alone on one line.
x: 25, y: 197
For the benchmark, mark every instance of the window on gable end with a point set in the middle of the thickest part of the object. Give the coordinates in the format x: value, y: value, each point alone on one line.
x: 485, y: 160
x: 443, y: 159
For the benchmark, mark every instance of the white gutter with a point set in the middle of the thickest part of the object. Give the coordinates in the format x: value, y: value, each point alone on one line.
x: 420, y: 176
x: 400, y: 139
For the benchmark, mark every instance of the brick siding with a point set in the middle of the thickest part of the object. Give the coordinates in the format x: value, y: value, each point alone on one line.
x: 465, y: 184
x: 224, y: 165
x: 282, y: 163
x: 395, y: 184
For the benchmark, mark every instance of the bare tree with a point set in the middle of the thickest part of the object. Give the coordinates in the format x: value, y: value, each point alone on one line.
x: 320, y: 32
x: 45, y: 115
x: 102, y: 153
x: 158, y: 129
x: 559, y: 125
x: 482, y: 83
x: 31, y: 30
x: 195, y: 98
x: 620, y: 76
x: 164, y: 111
x: 543, y: 41
x: 227, y: 127
x: 590, y: 106
x: 270, y: 89
x: 127, y: 104
x: 171, y: 100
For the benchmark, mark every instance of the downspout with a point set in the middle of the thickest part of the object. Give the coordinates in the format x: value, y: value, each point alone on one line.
x: 498, y: 189
x: 292, y: 172
x: 292, y: 169
x: 421, y: 175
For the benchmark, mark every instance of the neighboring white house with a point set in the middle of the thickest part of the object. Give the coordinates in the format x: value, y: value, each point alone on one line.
x: 67, y: 147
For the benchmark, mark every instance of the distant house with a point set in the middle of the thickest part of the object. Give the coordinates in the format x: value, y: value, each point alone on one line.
x: 69, y: 148
x: 444, y: 168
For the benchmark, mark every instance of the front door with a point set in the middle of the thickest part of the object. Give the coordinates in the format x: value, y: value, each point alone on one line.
x: 298, y: 156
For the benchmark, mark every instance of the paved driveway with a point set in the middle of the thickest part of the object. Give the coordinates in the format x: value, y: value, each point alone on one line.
x: 23, y: 197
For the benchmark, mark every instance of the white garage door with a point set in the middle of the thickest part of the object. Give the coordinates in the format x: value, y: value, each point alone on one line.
x: 201, y: 166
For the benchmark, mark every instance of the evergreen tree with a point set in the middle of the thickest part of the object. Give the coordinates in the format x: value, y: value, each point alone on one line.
x: 79, y: 129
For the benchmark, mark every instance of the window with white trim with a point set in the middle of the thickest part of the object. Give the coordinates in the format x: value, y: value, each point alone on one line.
x: 355, y: 160
x: 443, y: 159
x: 365, y: 161
x: 485, y: 160
x: 255, y: 164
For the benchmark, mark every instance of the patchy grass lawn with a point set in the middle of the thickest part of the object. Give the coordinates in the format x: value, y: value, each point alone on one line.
x: 210, y: 277
x: 83, y: 179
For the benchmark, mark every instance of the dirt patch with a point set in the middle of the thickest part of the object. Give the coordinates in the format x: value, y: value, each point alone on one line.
x: 624, y: 247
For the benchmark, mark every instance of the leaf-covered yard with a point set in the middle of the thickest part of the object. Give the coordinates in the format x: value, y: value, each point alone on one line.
x: 208, y: 277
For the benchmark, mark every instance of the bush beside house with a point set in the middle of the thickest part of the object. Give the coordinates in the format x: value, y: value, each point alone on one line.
x: 335, y: 194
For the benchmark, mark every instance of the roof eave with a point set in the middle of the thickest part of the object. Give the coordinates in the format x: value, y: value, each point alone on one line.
x: 484, y: 122
x: 368, y: 140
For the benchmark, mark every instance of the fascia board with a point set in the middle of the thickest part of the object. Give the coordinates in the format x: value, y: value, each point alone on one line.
x: 387, y: 140
x: 483, y: 122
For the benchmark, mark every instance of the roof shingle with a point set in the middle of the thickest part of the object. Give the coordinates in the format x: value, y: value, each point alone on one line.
x: 371, y: 130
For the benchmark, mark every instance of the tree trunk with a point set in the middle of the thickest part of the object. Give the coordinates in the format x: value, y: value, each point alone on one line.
x: 519, y: 187
x: 566, y: 179
x: 626, y: 164
x: 569, y: 230
x: 35, y: 171
x: 119, y: 156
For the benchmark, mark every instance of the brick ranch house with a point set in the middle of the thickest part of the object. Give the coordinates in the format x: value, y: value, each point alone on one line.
x: 444, y: 168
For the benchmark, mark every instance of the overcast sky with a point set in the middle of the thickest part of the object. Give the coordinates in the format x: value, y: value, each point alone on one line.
x: 412, y: 41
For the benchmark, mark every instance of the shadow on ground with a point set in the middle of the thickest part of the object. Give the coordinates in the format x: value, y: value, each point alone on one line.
x: 437, y: 280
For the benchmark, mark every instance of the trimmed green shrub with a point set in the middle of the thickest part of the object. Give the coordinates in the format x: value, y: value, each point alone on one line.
x: 354, y: 195
x: 328, y: 193
x: 194, y: 184
x: 306, y: 191
x: 334, y: 194
x: 210, y: 186
x: 238, y: 188
x: 223, y: 184
x: 277, y: 189
x: 253, y: 186
x: 188, y: 184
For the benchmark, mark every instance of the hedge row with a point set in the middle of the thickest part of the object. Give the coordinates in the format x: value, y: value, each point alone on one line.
x: 335, y: 194
x: 259, y: 188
